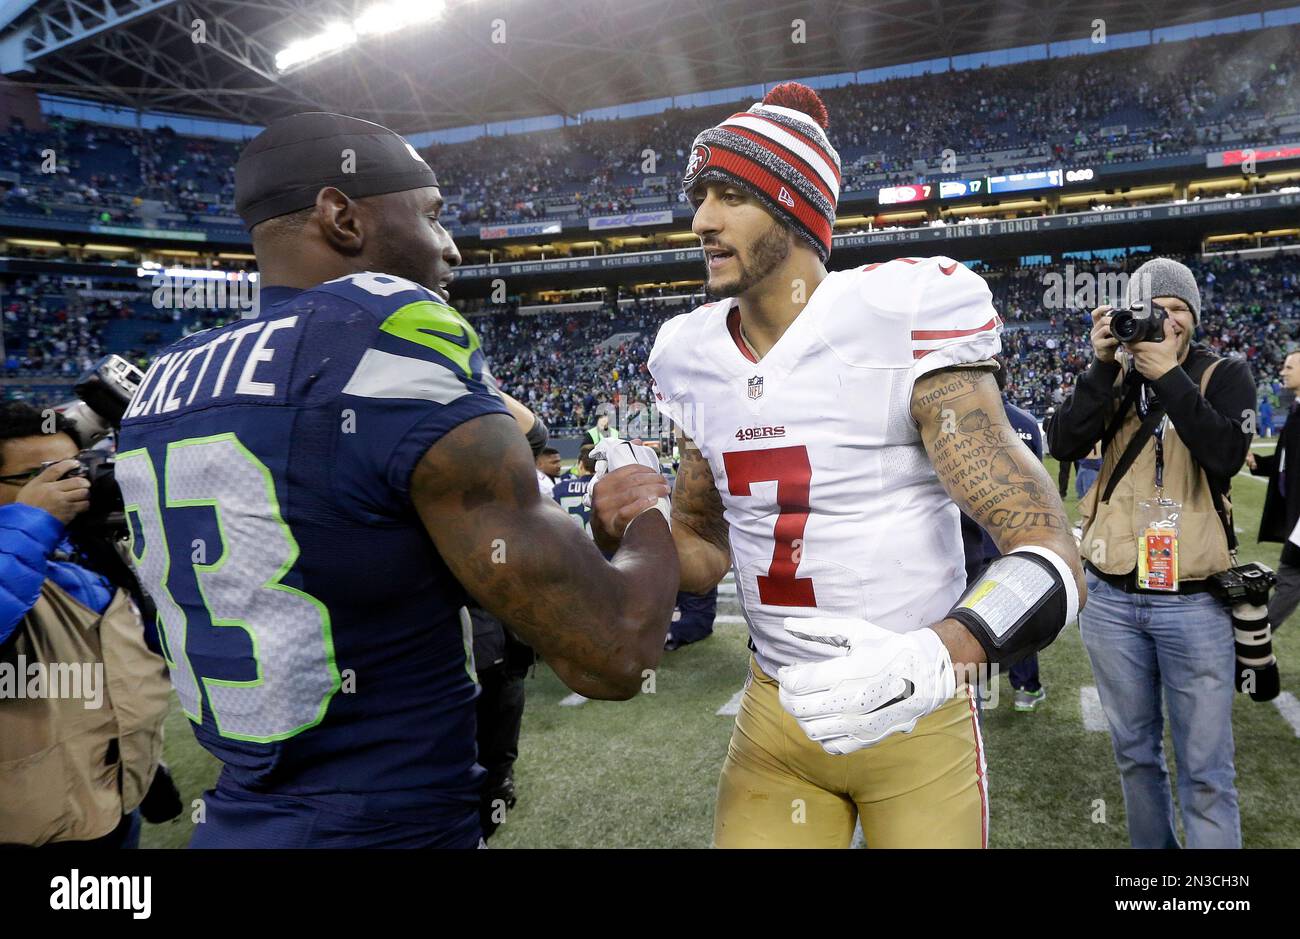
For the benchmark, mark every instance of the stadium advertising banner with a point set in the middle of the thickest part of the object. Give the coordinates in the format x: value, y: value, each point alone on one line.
x: 936, y: 236
x: 522, y: 230
x: 1247, y: 154
x: 630, y: 220
x: 173, y: 234
x: 598, y: 263
x: 1076, y: 220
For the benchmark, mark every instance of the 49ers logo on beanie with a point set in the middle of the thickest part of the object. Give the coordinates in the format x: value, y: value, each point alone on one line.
x: 699, y: 159
x: 778, y: 152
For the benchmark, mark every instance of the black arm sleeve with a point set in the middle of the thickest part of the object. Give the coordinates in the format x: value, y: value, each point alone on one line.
x: 537, y: 436
x: 1212, y: 427
x: 1081, y: 420
x: 1265, y: 465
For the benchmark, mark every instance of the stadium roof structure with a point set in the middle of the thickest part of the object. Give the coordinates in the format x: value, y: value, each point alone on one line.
x: 557, y: 57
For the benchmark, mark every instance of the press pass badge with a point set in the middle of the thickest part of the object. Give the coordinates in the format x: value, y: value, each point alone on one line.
x: 1157, y: 548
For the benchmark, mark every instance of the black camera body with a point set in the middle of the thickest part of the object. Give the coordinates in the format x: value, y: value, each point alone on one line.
x: 1141, y: 322
x: 1248, y: 583
x: 1244, y: 591
x: 107, y: 514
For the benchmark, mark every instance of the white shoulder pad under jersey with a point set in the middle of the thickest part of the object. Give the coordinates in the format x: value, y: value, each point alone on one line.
x: 676, y: 354
x: 918, y: 313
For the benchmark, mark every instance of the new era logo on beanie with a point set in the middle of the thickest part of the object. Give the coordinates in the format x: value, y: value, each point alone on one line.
x: 778, y: 152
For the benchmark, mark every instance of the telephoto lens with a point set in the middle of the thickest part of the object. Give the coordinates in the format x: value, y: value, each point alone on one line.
x: 1257, y: 673
x: 1244, y: 590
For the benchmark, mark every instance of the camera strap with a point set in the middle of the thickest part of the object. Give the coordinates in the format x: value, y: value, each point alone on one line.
x: 1199, y: 373
x: 1154, y: 415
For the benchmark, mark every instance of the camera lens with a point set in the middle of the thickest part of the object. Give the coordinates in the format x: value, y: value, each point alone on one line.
x: 1124, y: 326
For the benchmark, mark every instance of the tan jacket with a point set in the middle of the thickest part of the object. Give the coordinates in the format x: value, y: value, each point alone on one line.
x: 1111, y: 529
x: 69, y: 772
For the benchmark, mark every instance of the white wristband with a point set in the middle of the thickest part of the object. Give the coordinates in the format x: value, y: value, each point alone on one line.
x: 663, y: 506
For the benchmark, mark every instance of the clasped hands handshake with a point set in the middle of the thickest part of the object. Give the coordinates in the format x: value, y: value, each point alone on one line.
x: 876, y: 682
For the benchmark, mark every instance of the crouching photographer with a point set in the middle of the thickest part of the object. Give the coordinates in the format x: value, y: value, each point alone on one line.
x: 1174, y: 422
x: 82, y: 694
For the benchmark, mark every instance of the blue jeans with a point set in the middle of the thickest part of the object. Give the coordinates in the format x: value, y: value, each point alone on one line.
x: 1083, y: 481
x: 1139, y: 644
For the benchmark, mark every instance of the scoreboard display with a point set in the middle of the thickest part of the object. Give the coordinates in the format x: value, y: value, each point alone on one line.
x: 896, y: 195
x: 957, y: 188
x: 991, y: 185
x: 1020, y: 182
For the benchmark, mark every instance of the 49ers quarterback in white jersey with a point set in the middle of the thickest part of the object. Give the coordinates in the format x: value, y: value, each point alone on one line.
x: 833, y: 506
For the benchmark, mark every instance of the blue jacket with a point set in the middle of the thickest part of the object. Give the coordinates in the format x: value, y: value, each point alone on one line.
x: 28, y: 536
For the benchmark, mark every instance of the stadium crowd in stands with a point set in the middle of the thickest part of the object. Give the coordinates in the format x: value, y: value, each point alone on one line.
x: 1085, y: 110
x: 1122, y: 106
x: 567, y: 365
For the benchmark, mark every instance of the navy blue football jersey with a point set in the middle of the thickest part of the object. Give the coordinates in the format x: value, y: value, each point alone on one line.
x: 571, y: 494
x: 312, y: 630
x: 978, y: 545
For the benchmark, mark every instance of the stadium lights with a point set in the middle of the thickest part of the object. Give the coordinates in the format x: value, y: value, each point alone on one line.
x: 34, y: 243
x: 376, y: 20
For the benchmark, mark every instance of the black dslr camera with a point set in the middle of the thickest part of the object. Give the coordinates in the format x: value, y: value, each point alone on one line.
x: 1144, y: 321
x: 104, y: 392
x: 106, y: 515
x: 1244, y: 590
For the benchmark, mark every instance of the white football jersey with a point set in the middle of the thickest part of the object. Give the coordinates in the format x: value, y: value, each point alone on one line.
x: 833, y: 505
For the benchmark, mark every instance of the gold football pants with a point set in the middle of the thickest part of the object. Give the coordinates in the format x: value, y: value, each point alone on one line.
x: 778, y: 789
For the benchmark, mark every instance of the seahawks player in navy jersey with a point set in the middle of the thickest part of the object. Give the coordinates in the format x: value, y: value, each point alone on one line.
x: 570, y: 492
x: 315, y: 492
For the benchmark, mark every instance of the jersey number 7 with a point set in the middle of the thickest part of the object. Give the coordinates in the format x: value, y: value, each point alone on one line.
x: 790, y: 469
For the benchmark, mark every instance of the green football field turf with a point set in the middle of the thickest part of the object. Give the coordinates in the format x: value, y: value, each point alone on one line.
x: 642, y: 773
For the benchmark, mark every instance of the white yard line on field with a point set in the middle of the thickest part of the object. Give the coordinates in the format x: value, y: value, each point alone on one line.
x: 732, y: 707
x: 1094, y: 718
x: 1289, y: 708
x: 573, y: 700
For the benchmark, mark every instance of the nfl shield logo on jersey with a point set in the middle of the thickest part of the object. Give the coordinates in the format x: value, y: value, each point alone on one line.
x: 756, y: 387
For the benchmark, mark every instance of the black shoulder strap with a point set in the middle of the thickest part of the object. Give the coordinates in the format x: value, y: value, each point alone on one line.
x: 1130, y: 396
x: 1140, y: 438
x: 1196, y: 373
x: 1144, y: 431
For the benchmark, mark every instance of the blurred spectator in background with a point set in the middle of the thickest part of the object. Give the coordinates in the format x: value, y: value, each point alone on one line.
x: 1281, y: 515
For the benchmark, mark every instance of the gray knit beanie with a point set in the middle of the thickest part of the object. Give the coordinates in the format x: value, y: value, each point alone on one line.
x: 1162, y: 277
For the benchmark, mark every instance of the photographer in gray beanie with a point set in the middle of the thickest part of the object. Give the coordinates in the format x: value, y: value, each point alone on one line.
x: 1175, y: 423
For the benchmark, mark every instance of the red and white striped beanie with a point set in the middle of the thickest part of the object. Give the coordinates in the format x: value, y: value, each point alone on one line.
x: 778, y: 152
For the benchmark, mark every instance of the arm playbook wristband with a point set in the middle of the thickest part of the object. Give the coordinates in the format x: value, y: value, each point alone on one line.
x: 1019, y: 604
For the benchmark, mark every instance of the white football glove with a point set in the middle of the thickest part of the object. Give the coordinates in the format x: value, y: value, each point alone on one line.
x: 611, y: 454
x: 882, y: 683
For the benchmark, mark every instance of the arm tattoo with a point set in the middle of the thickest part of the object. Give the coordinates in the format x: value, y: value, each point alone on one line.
x: 991, y: 475
x: 696, y: 501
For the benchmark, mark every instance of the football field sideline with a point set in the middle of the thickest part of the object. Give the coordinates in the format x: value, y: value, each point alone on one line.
x: 642, y: 773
